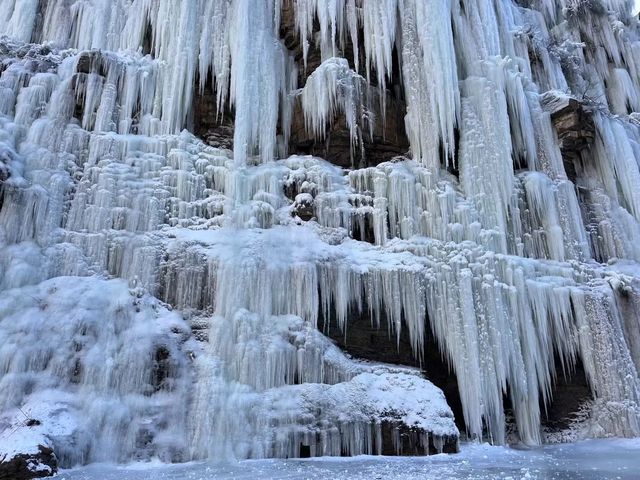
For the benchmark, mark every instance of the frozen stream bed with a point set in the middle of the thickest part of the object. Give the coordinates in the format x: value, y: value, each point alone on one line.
x: 588, y: 460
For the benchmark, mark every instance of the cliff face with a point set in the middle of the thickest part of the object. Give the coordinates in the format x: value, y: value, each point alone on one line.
x: 205, y: 204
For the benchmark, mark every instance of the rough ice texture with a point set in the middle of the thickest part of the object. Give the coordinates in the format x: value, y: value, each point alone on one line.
x: 81, y: 357
x: 162, y: 297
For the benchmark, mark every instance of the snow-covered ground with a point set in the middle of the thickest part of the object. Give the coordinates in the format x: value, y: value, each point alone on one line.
x: 587, y: 460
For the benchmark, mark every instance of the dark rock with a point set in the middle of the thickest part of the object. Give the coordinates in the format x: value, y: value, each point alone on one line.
x: 162, y: 368
x: 569, y: 393
x: 291, y: 40
x: 213, y: 127
x: 388, y: 138
x: 303, y: 207
x: 28, y: 466
x: 92, y: 61
x: 575, y: 128
x: 365, y: 340
x: 5, y: 159
x: 401, y: 439
x: 573, y: 122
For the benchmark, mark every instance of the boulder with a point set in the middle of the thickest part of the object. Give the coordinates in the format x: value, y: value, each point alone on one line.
x: 24, y: 466
x: 572, y: 120
x: 303, y: 206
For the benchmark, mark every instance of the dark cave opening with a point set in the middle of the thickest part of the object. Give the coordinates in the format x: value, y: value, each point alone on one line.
x: 569, y: 393
x: 365, y: 340
x: 206, y: 121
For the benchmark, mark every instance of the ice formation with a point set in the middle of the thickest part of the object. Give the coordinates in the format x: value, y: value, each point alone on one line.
x: 164, y: 297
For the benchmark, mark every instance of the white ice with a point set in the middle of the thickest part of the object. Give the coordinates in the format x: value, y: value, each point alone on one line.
x: 589, y: 460
x: 518, y: 259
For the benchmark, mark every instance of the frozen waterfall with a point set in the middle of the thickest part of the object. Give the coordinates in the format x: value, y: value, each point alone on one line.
x: 174, y: 252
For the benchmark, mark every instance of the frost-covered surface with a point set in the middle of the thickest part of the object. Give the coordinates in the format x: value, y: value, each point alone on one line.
x: 334, y: 88
x: 589, y: 460
x: 104, y: 370
x: 480, y: 236
x: 80, y: 357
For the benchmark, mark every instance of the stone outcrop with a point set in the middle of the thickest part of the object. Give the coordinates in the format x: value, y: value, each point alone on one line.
x: 212, y: 126
x: 574, y: 126
x: 27, y: 466
x: 400, y: 439
x: 386, y: 141
x: 303, y: 206
x: 364, y: 340
x: 4, y: 170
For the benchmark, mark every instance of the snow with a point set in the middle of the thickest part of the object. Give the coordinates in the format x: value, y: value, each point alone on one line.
x: 589, y: 460
x: 22, y: 435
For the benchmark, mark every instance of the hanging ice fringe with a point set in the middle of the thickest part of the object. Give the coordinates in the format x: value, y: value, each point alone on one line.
x: 166, y: 298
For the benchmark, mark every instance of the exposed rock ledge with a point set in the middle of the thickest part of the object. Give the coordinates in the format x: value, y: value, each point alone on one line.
x: 25, y: 466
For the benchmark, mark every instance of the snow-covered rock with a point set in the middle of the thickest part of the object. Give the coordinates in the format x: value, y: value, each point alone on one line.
x: 25, y: 449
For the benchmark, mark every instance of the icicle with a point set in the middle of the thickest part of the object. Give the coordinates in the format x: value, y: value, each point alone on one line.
x: 484, y: 139
x: 18, y: 18
x: 430, y: 79
x: 491, y: 254
x: 334, y: 88
x: 259, y: 77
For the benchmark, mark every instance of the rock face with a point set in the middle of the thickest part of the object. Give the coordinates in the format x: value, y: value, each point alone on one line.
x: 573, y: 122
x: 214, y: 127
x: 28, y: 466
x: 379, y: 344
x: 400, y: 439
x: 4, y: 173
x: 364, y: 340
x: 574, y: 125
x: 386, y: 140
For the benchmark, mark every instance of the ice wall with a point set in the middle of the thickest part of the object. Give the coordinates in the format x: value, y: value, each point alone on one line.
x: 515, y: 248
